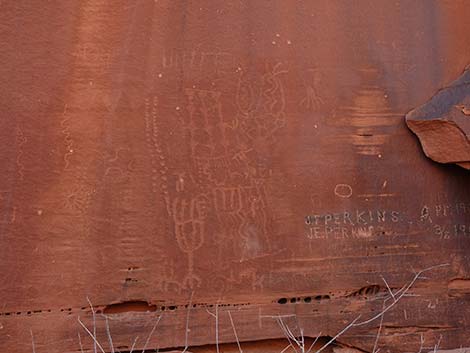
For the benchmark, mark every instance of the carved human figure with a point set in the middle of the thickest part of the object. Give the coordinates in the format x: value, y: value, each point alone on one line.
x: 189, y: 216
x: 212, y: 139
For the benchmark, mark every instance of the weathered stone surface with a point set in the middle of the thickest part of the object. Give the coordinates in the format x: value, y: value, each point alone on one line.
x: 443, y: 124
x: 263, y: 346
x: 218, y: 166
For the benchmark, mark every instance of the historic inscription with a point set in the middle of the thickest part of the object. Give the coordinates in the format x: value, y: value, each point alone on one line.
x: 349, y: 224
x: 357, y: 217
x: 362, y: 223
x: 452, y: 231
x: 428, y: 213
x: 437, y: 214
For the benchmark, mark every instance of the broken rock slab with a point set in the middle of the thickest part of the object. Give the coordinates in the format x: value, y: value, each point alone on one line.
x: 443, y: 123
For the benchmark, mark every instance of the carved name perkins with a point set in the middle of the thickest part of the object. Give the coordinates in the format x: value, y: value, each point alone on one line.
x: 343, y: 225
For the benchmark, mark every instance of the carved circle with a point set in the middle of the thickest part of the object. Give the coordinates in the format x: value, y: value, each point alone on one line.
x: 343, y: 190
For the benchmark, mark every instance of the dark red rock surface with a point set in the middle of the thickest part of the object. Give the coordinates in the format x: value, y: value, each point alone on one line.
x: 443, y: 123
x: 218, y: 164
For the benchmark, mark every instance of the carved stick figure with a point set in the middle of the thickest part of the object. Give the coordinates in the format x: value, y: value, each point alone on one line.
x: 189, y: 219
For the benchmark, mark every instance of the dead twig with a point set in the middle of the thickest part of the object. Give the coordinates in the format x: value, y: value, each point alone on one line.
x: 290, y: 337
x: 217, y: 327
x: 186, y: 334
x: 108, y: 332
x: 313, y: 343
x: 397, y: 296
x: 403, y: 291
x: 389, y: 289
x: 216, y: 316
x: 32, y: 341
x: 285, y: 349
x: 96, y: 343
x: 235, y: 332
x: 151, y: 333
x: 436, y: 346
x: 351, y: 324
x: 375, y: 350
x: 80, y: 342
x: 421, y: 344
x: 94, y: 325
x: 294, y: 342
x: 133, y: 344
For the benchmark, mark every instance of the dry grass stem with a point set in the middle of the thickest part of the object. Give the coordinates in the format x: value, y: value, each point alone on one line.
x: 375, y: 349
x: 108, y: 333
x: 151, y: 333
x: 186, y: 333
x: 32, y: 341
x: 396, y: 298
x: 234, y: 331
x: 133, y: 344
x: 313, y: 343
x: 80, y: 342
x: 94, y: 325
x: 95, y: 342
x: 351, y: 324
x: 403, y: 292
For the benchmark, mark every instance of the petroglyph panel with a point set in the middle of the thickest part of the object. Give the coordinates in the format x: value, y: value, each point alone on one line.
x: 228, y: 170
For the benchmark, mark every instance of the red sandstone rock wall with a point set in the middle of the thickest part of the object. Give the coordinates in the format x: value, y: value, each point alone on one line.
x: 233, y: 169
x: 443, y: 123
